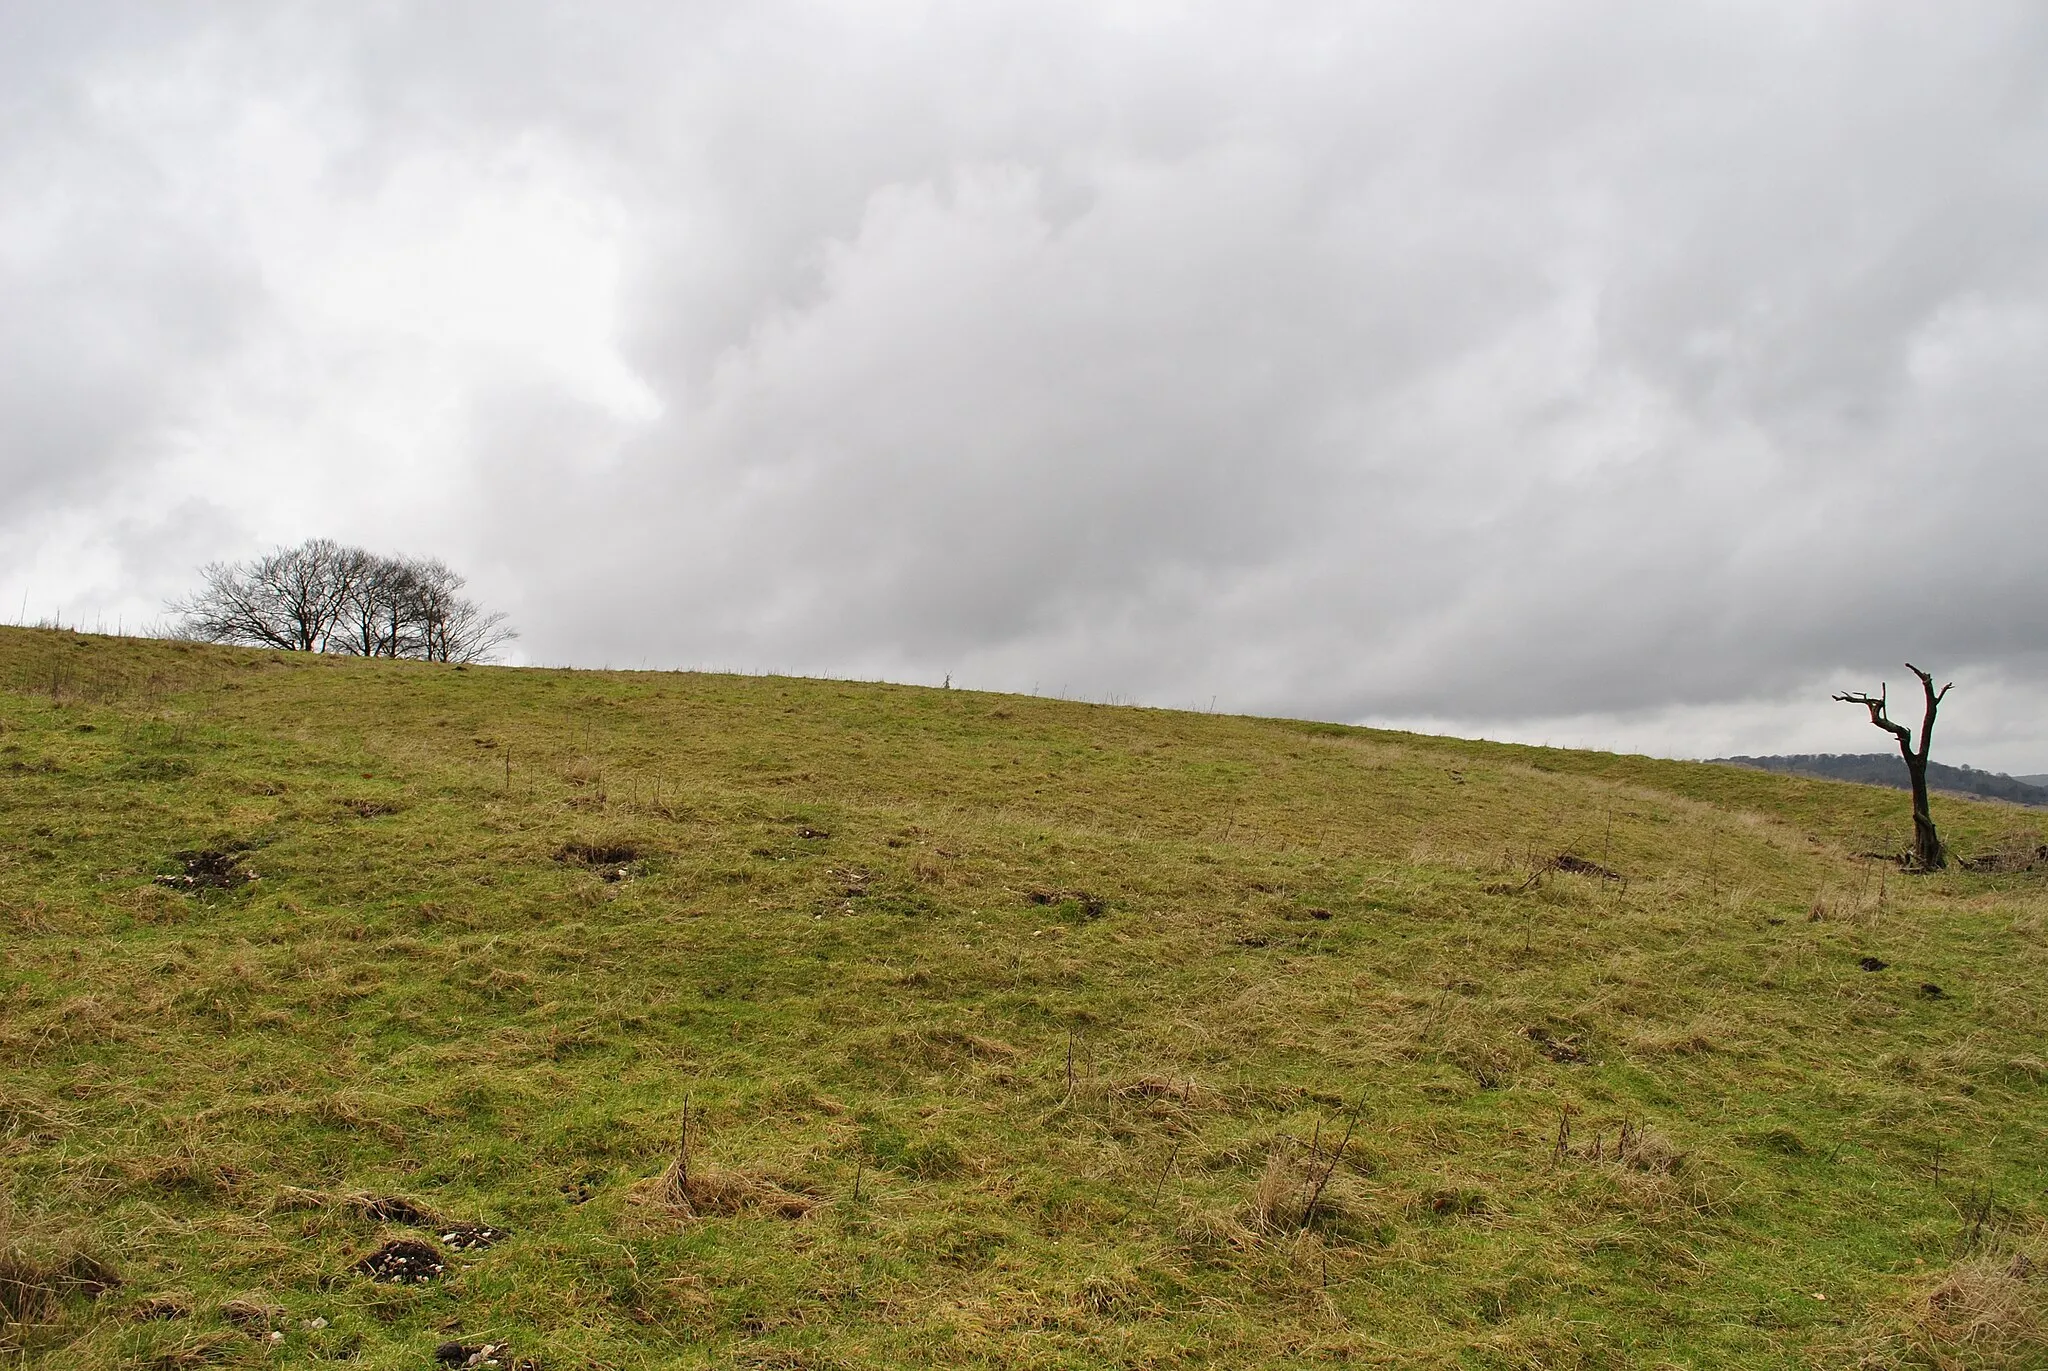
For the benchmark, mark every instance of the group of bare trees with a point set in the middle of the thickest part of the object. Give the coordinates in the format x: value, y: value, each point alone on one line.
x: 323, y: 597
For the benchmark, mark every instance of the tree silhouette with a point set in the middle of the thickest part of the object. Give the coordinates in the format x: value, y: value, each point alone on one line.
x: 1928, y: 853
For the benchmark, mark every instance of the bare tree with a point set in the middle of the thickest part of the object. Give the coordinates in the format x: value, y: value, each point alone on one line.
x: 452, y: 627
x: 378, y: 613
x: 288, y: 598
x: 322, y: 597
x: 1928, y: 853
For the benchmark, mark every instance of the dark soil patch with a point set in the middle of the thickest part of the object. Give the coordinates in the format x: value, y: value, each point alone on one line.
x: 30, y: 1289
x: 403, y: 1261
x: 369, y: 809
x: 484, y: 1354
x: 598, y: 854
x: 208, y: 869
x: 1932, y: 991
x: 812, y: 834
x: 470, y: 1237
x: 160, y: 1307
x: 1558, y: 1049
x: 1320, y: 914
x: 1080, y: 903
x: 394, y: 1209
x: 1579, y: 866
x: 2010, y: 860
x: 251, y: 1316
x: 611, y: 861
x: 1873, y: 964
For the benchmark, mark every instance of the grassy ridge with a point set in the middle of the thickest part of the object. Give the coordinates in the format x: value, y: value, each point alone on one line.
x: 1081, y: 999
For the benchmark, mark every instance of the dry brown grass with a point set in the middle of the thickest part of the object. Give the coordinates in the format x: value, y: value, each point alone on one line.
x: 1990, y: 1310
x: 33, y: 1288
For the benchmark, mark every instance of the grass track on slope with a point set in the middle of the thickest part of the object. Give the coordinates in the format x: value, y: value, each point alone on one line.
x: 506, y: 922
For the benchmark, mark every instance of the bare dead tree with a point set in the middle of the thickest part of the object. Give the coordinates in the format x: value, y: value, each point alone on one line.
x: 1928, y: 853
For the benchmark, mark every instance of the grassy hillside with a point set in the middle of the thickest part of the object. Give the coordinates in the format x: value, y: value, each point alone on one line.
x: 1010, y: 1033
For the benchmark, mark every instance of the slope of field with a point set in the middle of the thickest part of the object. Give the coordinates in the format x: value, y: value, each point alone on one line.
x: 1008, y: 1032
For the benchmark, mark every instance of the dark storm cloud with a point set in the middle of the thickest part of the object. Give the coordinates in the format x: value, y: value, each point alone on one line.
x: 1489, y: 367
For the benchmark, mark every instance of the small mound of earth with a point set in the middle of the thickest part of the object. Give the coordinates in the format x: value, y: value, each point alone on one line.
x: 1558, y: 1049
x: 369, y: 809
x: 1581, y: 867
x: 403, y: 1261
x: 394, y: 1209
x: 1873, y: 964
x: 812, y: 834
x: 1090, y: 906
x: 470, y: 1237
x: 208, y: 870
x: 611, y: 861
x: 161, y: 1307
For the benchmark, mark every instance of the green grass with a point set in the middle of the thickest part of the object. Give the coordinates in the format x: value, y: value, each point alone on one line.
x: 1248, y: 936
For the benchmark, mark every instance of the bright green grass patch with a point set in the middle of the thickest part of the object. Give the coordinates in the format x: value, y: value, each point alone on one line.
x: 1079, y: 1000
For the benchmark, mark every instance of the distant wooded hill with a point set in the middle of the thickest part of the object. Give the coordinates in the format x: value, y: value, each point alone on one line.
x: 1887, y: 768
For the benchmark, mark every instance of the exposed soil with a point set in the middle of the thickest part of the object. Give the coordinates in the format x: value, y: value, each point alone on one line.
x: 1873, y: 964
x: 812, y: 834
x: 483, y: 1354
x: 208, y: 870
x: 598, y: 854
x: 369, y: 809
x: 1558, y: 1049
x: 161, y: 1307
x: 611, y: 861
x: 403, y: 1261
x: 470, y: 1237
x: 394, y: 1209
x: 1091, y: 906
x: 1579, y: 866
x: 251, y: 1316
x: 1932, y: 991
x: 2010, y: 860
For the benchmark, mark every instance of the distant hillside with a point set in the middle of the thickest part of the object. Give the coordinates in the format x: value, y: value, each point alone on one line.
x: 1889, y: 769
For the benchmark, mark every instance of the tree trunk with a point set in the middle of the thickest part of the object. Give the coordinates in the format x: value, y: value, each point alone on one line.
x: 1927, y: 850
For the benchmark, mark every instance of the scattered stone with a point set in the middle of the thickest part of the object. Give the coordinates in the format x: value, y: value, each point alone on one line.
x: 1873, y: 964
x: 471, y: 1237
x: 403, y: 1261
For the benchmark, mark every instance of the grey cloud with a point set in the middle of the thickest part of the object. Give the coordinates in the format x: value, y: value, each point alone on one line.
x: 1527, y: 363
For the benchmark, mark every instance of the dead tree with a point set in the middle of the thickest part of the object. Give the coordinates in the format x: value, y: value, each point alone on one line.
x: 1928, y: 854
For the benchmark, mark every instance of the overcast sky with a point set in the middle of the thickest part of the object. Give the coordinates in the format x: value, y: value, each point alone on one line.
x: 1614, y: 374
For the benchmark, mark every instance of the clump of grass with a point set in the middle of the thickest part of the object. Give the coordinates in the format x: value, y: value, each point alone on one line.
x: 33, y: 1287
x: 694, y: 1187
